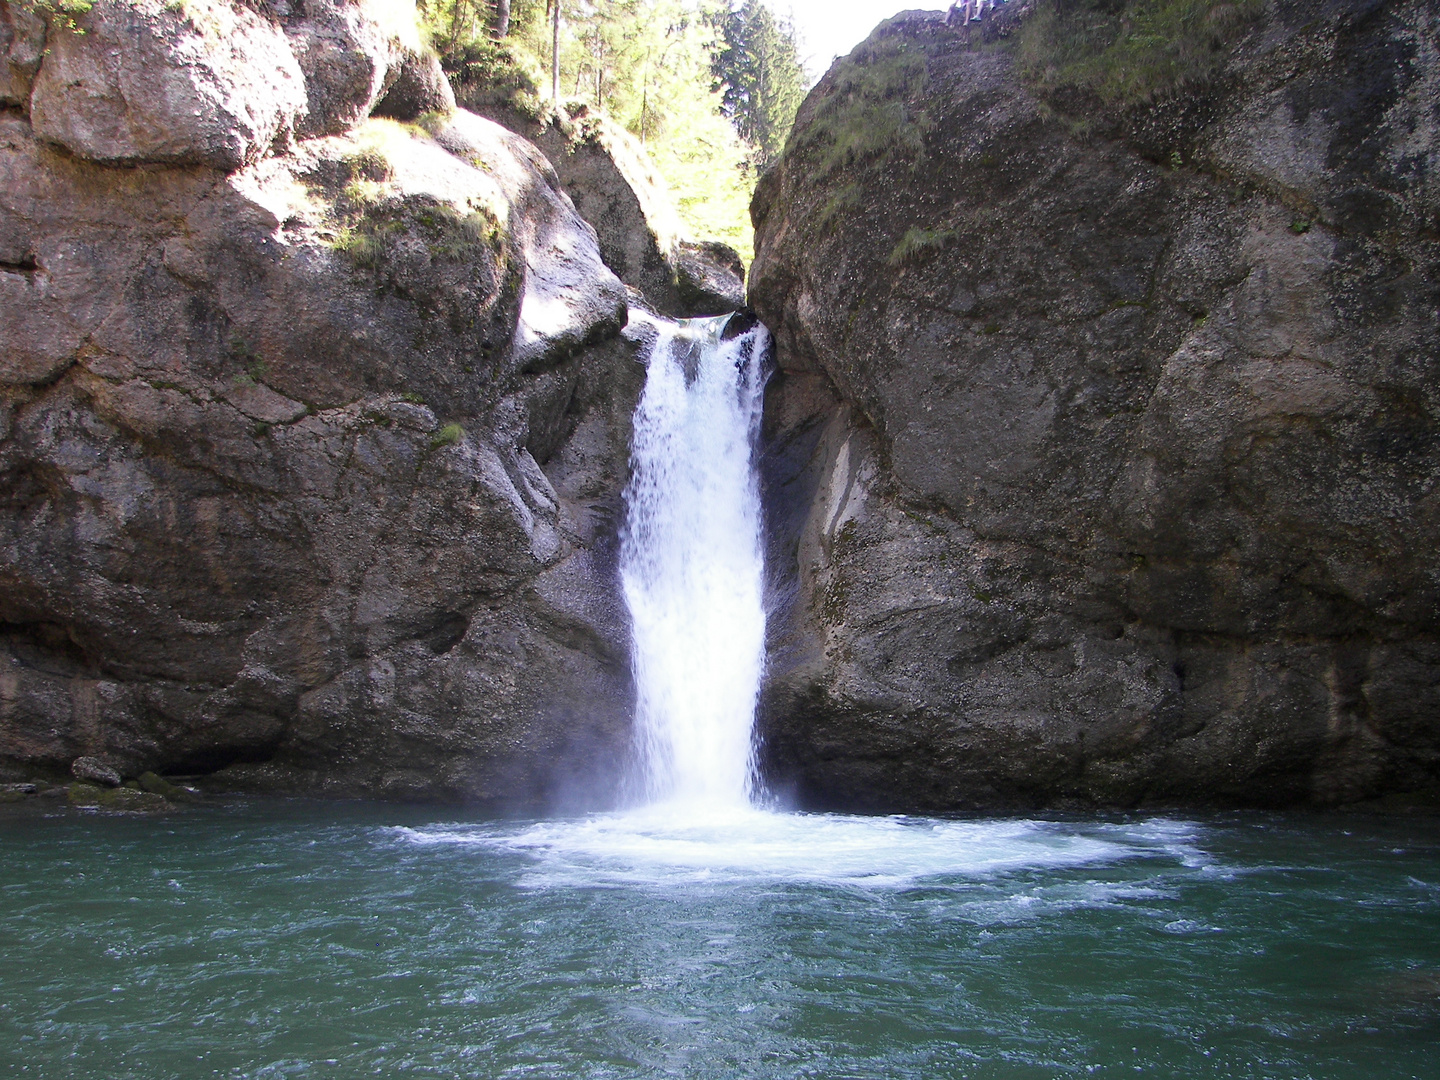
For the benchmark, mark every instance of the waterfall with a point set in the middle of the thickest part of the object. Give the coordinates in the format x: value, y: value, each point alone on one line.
x: 692, y: 563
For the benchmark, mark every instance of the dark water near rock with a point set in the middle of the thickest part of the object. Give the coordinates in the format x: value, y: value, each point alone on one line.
x: 306, y: 940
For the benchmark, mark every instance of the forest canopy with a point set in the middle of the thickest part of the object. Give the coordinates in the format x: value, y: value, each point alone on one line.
x: 708, y: 88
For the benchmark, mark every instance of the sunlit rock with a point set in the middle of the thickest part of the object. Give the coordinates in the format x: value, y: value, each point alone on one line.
x: 134, y: 81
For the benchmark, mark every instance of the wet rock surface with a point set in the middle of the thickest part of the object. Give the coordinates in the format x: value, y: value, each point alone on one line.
x: 310, y: 463
x: 1101, y: 461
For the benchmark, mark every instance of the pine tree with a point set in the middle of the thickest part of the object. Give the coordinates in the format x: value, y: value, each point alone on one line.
x: 759, y: 72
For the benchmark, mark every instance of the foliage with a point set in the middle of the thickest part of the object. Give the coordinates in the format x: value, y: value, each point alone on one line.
x: 1130, y: 51
x: 708, y: 170
x: 918, y: 244
x: 454, y: 24
x: 757, y: 68
x: 448, y: 435
x: 62, y: 12
x: 485, y: 68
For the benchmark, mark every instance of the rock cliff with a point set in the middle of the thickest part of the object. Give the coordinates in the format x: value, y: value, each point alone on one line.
x: 1102, y: 459
x: 312, y: 426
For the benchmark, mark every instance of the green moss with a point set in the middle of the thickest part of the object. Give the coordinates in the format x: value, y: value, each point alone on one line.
x: 158, y: 785
x: 239, y: 351
x: 122, y: 798
x: 432, y: 123
x: 1129, y: 51
x: 369, y: 164
x: 363, y: 248
x: 449, y: 236
x: 873, y: 115
x: 917, y: 245
x: 448, y: 435
x: 361, y: 193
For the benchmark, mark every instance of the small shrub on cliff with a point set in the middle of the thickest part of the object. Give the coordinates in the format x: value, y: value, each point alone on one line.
x: 361, y: 247
x: 1129, y: 51
x: 63, y: 12
x: 448, y: 435
x: 487, y: 73
x: 369, y: 164
x: 448, y: 236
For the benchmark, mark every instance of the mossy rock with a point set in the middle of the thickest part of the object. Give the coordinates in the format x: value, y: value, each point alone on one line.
x: 158, y: 785
x: 1089, y: 53
x: 870, y: 110
x: 122, y: 799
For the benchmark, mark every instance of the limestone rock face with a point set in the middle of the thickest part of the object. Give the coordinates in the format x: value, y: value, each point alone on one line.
x: 605, y: 173
x: 1102, y: 458
x: 137, y: 81
x: 310, y: 471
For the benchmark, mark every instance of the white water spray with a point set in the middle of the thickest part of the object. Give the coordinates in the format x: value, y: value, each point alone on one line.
x: 692, y: 564
x: 692, y: 568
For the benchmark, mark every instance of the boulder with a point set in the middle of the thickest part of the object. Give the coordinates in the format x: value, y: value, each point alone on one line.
x: 143, y: 81
x: 352, y: 52
x: 608, y: 177
x: 419, y: 87
x: 709, y: 278
x: 22, y: 46
x: 317, y: 475
x: 158, y: 785
x: 1099, y: 464
x: 119, y: 799
x: 95, y: 771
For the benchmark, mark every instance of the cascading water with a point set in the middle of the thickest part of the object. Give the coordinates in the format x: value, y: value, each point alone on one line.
x: 692, y: 563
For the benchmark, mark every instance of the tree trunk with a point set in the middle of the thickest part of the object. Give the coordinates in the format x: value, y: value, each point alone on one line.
x: 502, y: 18
x: 555, y: 55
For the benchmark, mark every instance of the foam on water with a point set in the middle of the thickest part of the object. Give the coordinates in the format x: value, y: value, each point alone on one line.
x: 692, y: 571
x: 663, y: 846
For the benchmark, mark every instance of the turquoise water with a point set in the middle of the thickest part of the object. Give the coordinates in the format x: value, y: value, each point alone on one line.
x: 305, y: 940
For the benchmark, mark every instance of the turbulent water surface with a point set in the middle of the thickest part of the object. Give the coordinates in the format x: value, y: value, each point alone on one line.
x: 331, y: 941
